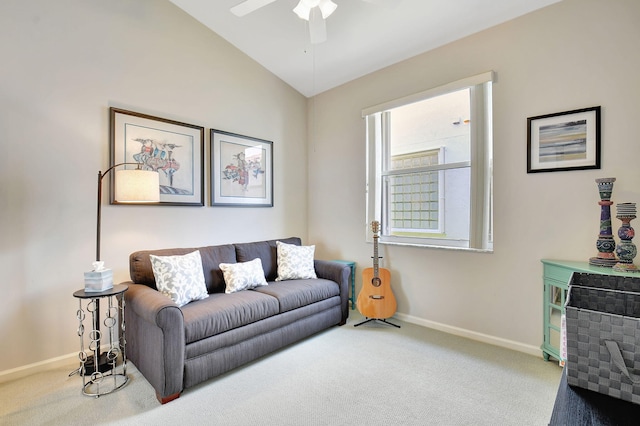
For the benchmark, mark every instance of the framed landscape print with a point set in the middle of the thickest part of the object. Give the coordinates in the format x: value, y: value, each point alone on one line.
x: 241, y: 170
x: 174, y: 149
x: 567, y: 140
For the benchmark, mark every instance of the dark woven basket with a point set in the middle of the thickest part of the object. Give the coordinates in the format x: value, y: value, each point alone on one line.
x: 603, y: 308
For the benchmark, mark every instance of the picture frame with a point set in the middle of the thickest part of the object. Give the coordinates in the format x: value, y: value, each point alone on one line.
x: 172, y: 148
x: 241, y: 170
x: 562, y: 141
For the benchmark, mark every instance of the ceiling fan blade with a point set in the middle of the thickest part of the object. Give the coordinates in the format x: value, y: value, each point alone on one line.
x: 249, y: 6
x: 317, y: 27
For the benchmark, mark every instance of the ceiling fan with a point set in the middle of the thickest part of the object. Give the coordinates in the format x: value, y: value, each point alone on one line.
x: 313, y: 11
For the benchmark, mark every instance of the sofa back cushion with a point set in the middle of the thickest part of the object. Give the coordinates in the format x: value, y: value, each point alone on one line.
x: 266, y: 251
x: 212, y: 256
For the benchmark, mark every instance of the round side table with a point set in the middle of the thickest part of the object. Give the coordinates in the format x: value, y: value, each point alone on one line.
x: 101, y: 373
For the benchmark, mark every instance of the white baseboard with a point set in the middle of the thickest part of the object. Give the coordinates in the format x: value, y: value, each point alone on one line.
x: 38, y: 367
x: 473, y: 335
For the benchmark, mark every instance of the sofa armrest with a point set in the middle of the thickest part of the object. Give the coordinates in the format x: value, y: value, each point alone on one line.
x: 340, y: 273
x: 155, y: 338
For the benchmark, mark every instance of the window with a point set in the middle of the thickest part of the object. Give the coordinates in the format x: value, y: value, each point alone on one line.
x: 414, y: 195
x: 429, y: 159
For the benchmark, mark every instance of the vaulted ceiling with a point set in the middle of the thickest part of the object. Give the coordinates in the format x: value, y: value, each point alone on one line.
x: 362, y: 35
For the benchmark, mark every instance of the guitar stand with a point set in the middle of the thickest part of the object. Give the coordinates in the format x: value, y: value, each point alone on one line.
x: 376, y: 319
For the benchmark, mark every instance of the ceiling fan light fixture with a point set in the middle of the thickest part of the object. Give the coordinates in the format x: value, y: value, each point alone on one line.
x: 327, y: 7
x: 303, y: 9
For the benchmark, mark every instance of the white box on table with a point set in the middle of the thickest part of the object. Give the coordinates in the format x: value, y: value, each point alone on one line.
x: 96, y: 281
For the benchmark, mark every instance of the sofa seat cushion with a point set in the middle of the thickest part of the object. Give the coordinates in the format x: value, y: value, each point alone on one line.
x: 222, y: 312
x: 294, y: 294
x: 265, y: 327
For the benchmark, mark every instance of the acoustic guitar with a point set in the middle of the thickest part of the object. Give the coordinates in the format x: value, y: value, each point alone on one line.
x: 376, y: 299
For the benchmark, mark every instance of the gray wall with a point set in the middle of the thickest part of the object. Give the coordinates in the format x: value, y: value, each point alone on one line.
x: 573, y: 54
x: 64, y: 63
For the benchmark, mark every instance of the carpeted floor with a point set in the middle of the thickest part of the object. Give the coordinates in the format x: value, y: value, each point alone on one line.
x: 373, y: 374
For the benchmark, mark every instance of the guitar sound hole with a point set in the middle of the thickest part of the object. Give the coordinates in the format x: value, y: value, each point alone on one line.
x: 376, y: 282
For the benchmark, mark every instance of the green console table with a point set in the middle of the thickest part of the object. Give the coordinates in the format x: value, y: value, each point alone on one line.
x: 556, y: 276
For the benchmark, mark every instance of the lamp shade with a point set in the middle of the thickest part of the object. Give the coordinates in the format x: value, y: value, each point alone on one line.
x: 137, y: 186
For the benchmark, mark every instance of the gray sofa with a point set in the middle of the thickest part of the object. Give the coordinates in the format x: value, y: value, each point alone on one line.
x: 178, y: 347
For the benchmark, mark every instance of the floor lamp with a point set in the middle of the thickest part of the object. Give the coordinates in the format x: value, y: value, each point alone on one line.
x: 131, y: 186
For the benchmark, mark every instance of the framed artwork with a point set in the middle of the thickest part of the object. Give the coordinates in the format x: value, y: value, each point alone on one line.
x: 174, y: 149
x: 241, y: 170
x: 562, y: 141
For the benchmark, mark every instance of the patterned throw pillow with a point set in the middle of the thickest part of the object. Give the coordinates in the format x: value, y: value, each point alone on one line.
x: 295, y: 262
x: 243, y: 275
x: 180, y: 277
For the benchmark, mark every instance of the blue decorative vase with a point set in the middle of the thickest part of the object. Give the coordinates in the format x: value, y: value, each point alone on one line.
x: 626, y: 250
x: 605, y: 244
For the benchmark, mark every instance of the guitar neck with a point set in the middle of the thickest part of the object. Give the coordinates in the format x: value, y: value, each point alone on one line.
x: 375, y: 257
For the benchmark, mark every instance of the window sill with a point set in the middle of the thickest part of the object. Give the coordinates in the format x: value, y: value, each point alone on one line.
x: 430, y: 246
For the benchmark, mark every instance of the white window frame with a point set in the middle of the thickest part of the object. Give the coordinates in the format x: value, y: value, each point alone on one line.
x: 481, y: 227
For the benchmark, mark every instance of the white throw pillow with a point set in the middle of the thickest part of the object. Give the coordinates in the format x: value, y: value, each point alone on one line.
x: 295, y: 262
x: 180, y: 277
x: 243, y: 275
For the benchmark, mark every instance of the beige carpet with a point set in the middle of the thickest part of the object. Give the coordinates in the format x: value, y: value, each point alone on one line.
x: 373, y: 374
